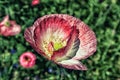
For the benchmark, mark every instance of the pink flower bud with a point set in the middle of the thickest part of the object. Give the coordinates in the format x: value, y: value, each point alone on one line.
x: 27, y: 59
x: 35, y: 2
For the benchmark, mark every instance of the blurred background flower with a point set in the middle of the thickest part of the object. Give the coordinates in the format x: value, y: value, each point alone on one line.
x: 9, y: 27
x: 27, y: 59
x: 35, y: 2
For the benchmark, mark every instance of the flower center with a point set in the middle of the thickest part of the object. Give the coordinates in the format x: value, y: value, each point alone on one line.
x: 7, y: 24
x: 54, y: 45
x: 26, y: 58
x: 58, y: 46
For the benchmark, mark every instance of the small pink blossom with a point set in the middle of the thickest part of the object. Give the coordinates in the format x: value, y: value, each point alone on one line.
x: 35, y: 2
x: 63, y: 39
x: 9, y: 27
x: 27, y: 59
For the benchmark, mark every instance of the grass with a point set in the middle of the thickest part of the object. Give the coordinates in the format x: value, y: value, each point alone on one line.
x: 102, y: 16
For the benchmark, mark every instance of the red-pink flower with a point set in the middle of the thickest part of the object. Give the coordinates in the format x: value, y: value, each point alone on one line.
x: 9, y: 27
x: 63, y: 39
x: 27, y: 59
x: 35, y: 2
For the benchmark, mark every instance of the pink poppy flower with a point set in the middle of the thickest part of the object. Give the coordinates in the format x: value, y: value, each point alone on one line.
x: 35, y: 2
x: 63, y: 39
x: 9, y: 27
x: 27, y: 59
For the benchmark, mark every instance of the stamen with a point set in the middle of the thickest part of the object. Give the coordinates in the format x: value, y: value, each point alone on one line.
x: 7, y: 24
x: 53, y: 43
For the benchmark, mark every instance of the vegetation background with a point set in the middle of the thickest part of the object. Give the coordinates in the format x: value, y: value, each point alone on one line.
x: 103, y: 17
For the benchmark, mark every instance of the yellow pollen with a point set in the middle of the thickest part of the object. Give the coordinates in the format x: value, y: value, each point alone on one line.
x: 53, y: 45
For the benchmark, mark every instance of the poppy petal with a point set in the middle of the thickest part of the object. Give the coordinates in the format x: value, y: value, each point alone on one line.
x: 6, y: 19
x: 15, y: 29
x: 87, y: 42
x: 72, y: 64
x: 29, y: 36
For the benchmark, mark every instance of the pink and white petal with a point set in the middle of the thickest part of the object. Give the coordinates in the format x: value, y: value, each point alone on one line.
x: 88, y: 42
x: 58, y: 26
x: 12, y: 22
x: 15, y: 29
x: 70, y: 19
x: 6, y: 19
x: 3, y: 29
x: 10, y: 31
x: 51, y: 26
x: 72, y: 64
x: 29, y: 36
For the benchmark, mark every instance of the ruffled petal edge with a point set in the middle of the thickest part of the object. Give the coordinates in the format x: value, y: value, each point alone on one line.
x: 72, y: 64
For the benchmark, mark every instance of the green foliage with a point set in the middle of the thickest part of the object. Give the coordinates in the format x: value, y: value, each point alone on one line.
x: 103, y: 16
